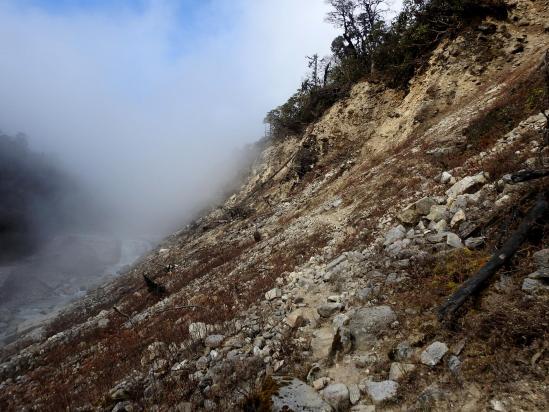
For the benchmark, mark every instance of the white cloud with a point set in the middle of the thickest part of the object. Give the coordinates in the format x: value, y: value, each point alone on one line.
x: 147, y: 109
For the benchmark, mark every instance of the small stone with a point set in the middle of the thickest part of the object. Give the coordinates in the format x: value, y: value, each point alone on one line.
x: 321, y: 343
x: 273, y: 294
x: 328, y: 309
x: 441, y: 226
x: 380, y: 391
x: 366, y: 323
x: 454, y: 364
x: 497, y: 405
x: 198, y: 330
x: 409, y: 215
x: 541, y: 259
x: 396, y: 233
x: 445, y: 177
x: 468, y: 184
x: 214, y: 341
x: 458, y: 218
x: 530, y: 285
x: 354, y: 393
x: 403, y: 351
x: 474, y: 242
x: 434, y: 353
x: 399, y: 370
x: 453, y: 240
x: 337, y: 395
x: 423, y: 206
x: 296, y: 395
x: 438, y: 212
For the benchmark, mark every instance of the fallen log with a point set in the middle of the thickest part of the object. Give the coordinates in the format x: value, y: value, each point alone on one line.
x: 154, y: 287
x: 526, y: 175
x: 476, y: 283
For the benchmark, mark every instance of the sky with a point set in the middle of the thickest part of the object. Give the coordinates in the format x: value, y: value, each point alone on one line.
x: 150, y: 101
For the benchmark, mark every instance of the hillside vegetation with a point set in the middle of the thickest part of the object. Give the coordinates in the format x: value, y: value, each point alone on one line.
x: 317, y: 285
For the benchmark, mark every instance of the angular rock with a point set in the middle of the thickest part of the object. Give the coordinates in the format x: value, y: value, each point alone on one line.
x: 441, y: 226
x: 380, y: 391
x: 366, y: 323
x: 354, y: 393
x: 423, y: 206
x: 445, y: 177
x: 409, y: 215
x: 328, y: 309
x: 214, y: 341
x: 468, y: 184
x: 337, y: 395
x: 474, y: 242
x: 438, y: 212
x: 432, y: 355
x: 454, y: 364
x: 321, y: 343
x: 296, y: 395
x: 273, y: 294
x: 198, y: 330
x: 530, y: 285
x: 458, y: 218
x: 541, y: 259
x: 453, y: 240
x: 396, y: 233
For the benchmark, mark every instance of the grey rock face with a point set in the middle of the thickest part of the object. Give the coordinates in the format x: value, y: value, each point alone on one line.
x: 396, y: 233
x: 337, y: 395
x: 541, y: 258
x: 466, y: 185
x: 214, y: 341
x: 474, y: 242
x: 438, y: 212
x: 297, y: 396
x: 198, y: 330
x: 380, y: 391
x: 453, y: 240
x: 434, y: 353
x: 366, y: 323
x: 328, y: 309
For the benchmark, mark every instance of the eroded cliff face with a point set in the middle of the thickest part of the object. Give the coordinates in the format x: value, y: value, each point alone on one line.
x: 329, y: 264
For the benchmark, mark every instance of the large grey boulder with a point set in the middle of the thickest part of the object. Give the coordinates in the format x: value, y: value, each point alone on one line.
x: 438, y: 212
x: 296, y: 395
x: 434, y: 353
x: 396, y: 233
x: 366, y: 323
x: 468, y: 184
x: 380, y: 391
x: 321, y: 343
x: 337, y: 395
x: 328, y: 309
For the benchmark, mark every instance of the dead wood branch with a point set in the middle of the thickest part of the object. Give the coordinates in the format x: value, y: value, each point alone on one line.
x: 526, y: 175
x: 154, y: 287
x: 476, y: 283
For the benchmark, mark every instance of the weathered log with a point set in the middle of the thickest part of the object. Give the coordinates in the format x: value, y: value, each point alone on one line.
x: 526, y: 175
x: 153, y: 286
x: 476, y: 283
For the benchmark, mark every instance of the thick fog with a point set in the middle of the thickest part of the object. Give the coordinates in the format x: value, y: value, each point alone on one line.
x: 150, y: 104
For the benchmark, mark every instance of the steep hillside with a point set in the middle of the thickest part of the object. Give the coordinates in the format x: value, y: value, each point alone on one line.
x: 316, y: 286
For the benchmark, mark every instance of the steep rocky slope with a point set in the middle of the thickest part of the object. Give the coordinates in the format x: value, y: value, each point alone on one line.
x: 316, y: 285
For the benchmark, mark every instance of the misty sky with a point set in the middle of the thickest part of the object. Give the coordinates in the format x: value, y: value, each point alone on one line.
x: 150, y: 99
